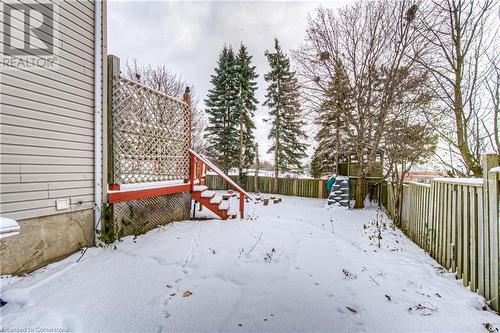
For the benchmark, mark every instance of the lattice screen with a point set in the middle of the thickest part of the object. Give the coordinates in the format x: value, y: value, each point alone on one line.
x: 138, y: 216
x: 150, y: 135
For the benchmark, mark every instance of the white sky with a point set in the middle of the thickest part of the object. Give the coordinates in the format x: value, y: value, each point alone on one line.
x: 187, y: 37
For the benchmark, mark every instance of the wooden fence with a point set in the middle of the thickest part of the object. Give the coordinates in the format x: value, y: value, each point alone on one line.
x: 456, y: 222
x: 309, y: 188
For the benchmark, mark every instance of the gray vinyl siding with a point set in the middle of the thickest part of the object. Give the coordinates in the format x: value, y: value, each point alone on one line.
x: 47, y: 124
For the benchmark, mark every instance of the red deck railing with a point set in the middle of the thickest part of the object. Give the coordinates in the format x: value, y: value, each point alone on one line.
x: 198, y: 172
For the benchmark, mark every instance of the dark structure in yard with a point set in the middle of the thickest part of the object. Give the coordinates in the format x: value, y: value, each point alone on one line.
x: 348, y: 167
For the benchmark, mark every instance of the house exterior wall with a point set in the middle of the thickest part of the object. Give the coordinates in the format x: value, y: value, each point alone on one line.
x: 45, y: 239
x: 47, y: 144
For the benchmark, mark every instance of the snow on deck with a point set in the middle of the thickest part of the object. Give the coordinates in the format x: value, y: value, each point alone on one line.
x: 292, y: 266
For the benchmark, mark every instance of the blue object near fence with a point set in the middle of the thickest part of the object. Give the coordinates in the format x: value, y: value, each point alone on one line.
x: 330, y: 183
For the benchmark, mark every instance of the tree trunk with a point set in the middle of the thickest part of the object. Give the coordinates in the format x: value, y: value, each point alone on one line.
x: 337, y: 146
x: 240, y: 157
x: 461, y: 132
x: 256, y: 177
x: 360, y: 190
x: 276, y: 177
x: 496, y: 106
x: 458, y: 107
x: 276, y: 170
x: 400, y: 206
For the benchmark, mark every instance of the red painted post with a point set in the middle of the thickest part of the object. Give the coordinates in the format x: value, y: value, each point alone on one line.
x: 199, y: 167
x: 113, y: 187
x: 242, y: 205
x: 191, y: 172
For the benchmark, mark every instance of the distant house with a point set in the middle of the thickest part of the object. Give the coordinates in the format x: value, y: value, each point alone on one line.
x: 51, y: 114
x: 421, y: 176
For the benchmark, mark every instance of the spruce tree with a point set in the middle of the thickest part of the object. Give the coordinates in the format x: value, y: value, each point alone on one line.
x: 282, y: 99
x: 335, y: 108
x: 246, y: 104
x: 316, y: 165
x: 223, y: 119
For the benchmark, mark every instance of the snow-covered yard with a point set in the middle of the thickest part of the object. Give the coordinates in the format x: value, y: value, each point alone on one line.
x: 292, y: 266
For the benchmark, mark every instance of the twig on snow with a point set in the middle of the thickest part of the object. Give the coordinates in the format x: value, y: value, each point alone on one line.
x: 253, y: 247
x: 373, y: 280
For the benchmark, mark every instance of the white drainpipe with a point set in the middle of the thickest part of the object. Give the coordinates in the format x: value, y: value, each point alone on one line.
x: 98, y: 114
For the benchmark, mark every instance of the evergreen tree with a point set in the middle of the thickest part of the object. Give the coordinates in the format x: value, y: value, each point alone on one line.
x: 336, y: 106
x: 316, y: 165
x: 246, y: 104
x: 222, y: 132
x: 282, y: 99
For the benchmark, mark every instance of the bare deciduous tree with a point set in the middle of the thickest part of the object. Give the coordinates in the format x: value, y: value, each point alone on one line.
x: 377, y: 43
x: 408, y: 141
x: 459, y: 34
x: 493, y: 88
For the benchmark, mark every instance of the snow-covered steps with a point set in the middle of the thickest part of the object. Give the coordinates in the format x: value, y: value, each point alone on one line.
x: 207, y: 194
x: 218, y: 203
x: 199, y: 188
x: 216, y: 199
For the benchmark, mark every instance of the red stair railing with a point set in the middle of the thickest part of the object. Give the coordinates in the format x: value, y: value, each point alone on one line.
x: 198, y: 176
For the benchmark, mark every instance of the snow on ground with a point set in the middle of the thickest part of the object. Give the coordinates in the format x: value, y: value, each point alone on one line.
x: 289, y: 267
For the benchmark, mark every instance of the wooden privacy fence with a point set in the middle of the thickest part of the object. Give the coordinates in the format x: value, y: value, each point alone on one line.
x: 456, y: 222
x: 309, y: 188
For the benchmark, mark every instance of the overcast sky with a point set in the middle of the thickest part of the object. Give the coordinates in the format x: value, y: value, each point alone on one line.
x: 187, y: 37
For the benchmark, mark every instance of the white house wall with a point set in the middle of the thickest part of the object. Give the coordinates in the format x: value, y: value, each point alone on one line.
x: 47, y: 124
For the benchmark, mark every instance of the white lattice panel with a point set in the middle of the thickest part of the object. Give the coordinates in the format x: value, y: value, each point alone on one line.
x: 150, y: 135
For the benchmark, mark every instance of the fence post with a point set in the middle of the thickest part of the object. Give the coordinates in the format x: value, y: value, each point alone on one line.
x: 490, y: 220
x: 320, y: 188
x: 186, y: 98
x: 113, y: 71
x: 242, y: 205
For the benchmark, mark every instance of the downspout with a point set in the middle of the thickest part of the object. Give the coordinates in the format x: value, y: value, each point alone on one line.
x: 97, y: 114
